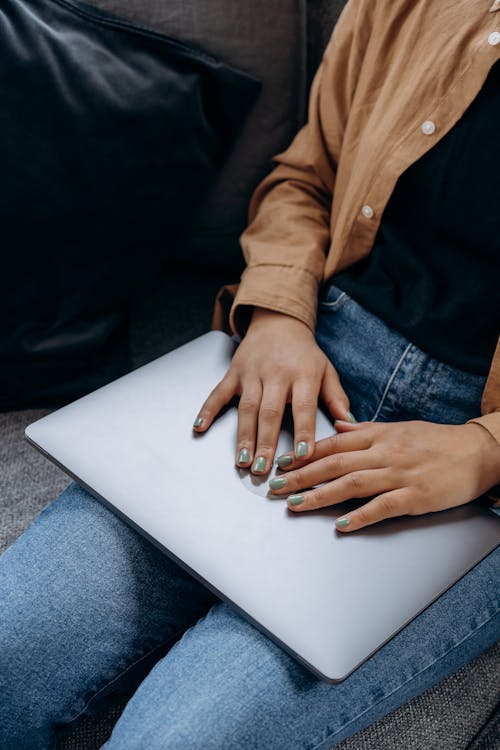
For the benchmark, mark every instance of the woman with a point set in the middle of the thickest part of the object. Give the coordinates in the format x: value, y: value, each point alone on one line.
x: 404, y: 340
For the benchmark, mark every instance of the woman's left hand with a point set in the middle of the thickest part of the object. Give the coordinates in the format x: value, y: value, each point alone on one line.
x: 406, y: 468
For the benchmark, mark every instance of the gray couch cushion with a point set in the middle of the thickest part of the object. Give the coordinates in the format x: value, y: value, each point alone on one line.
x: 322, y: 16
x: 268, y: 40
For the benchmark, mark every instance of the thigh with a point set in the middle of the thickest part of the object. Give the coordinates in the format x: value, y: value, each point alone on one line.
x: 85, y: 603
x: 225, y: 685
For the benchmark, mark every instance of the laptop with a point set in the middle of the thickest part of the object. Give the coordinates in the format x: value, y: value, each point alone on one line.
x: 329, y: 599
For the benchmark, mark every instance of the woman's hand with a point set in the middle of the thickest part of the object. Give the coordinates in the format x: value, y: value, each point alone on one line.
x: 277, y: 361
x: 410, y: 468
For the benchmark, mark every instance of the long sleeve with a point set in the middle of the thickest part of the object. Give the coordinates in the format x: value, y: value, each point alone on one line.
x: 287, y: 237
x: 490, y: 404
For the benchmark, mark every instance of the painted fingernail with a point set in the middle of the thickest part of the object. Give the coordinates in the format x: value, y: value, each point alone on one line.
x: 341, y: 523
x: 244, y: 456
x: 301, y: 449
x: 277, y: 483
x: 295, y: 499
x: 259, y: 464
x: 352, y: 418
x: 198, y: 422
x: 284, y: 461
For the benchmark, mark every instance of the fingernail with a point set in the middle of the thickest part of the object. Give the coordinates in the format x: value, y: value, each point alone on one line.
x: 244, y: 456
x: 198, y: 422
x: 284, y: 461
x: 295, y: 499
x: 352, y: 418
x: 277, y: 483
x: 259, y: 464
x: 301, y: 449
x: 341, y: 523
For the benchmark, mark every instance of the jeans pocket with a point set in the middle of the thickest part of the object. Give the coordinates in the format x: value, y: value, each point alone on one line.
x: 332, y: 299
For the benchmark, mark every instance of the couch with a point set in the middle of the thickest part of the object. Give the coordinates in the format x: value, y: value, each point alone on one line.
x: 280, y: 42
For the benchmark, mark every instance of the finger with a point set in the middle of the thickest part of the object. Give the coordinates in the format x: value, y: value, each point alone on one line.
x: 386, y: 505
x: 357, y: 484
x: 337, y: 443
x: 334, y: 396
x: 324, y: 470
x: 219, y: 397
x: 248, y: 414
x: 271, y: 412
x: 342, y: 425
x: 304, y: 407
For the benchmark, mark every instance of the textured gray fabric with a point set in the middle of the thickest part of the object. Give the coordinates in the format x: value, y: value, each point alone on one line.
x: 27, y: 480
x: 178, y: 308
x: 321, y: 18
x: 489, y: 737
x: 91, y: 732
x: 267, y: 39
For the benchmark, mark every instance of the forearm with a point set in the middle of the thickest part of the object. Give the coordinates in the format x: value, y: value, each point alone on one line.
x: 289, y: 224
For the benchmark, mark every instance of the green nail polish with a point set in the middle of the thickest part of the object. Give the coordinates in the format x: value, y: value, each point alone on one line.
x: 198, y: 422
x: 284, y: 461
x: 295, y: 499
x: 341, y: 523
x: 244, y: 456
x: 301, y: 449
x: 259, y: 464
x: 352, y: 418
x: 277, y: 483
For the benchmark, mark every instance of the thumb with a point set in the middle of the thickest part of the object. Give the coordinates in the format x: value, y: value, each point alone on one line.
x: 334, y: 396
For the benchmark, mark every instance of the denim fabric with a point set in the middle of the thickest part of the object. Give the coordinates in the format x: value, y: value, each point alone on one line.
x: 385, y: 376
x: 87, y: 605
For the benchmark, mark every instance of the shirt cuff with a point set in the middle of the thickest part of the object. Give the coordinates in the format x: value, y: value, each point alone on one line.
x: 492, y: 423
x: 285, y: 289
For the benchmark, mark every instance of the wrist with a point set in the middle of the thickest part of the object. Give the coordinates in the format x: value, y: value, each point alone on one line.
x: 266, y: 316
x: 489, y: 455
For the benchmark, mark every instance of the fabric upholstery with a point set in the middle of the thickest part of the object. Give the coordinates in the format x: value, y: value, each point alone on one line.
x: 268, y: 40
x: 111, y: 135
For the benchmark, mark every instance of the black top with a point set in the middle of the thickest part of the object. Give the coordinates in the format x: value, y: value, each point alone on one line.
x: 434, y: 270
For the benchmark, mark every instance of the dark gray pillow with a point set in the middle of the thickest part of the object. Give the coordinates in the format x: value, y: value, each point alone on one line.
x: 268, y: 39
x: 111, y: 135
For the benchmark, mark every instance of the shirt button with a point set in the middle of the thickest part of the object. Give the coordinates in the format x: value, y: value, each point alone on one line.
x: 367, y: 211
x: 494, y: 38
x: 428, y: 127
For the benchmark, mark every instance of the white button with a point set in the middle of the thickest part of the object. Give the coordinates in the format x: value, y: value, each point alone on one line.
x: 367, y: 211
x: 494, y: 38
x: 428, y: 127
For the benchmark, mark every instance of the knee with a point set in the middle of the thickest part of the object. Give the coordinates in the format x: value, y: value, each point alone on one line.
x: 40, y: 625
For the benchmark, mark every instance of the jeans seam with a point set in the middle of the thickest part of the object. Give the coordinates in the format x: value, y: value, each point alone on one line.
x: 117, y: 677
x: 335, y: 304
x: 402, y: 684
x: 390, y: 382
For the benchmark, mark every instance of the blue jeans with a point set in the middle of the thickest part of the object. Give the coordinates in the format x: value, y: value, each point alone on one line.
x: 88, y: 606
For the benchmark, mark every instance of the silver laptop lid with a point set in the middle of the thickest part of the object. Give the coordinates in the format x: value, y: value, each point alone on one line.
x: 329, y: 599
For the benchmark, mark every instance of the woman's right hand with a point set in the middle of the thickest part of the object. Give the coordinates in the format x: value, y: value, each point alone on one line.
x: 278, y: 361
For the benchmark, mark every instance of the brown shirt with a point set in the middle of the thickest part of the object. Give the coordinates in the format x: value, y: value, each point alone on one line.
x: 395, y: 77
